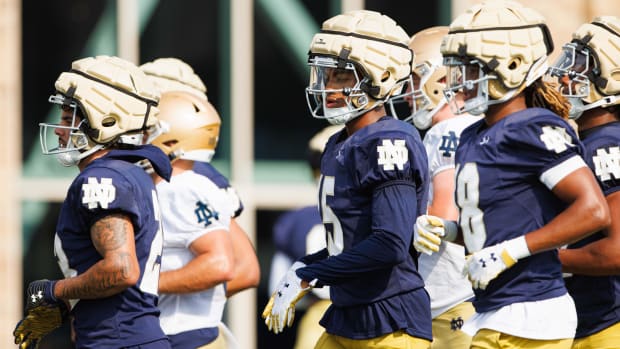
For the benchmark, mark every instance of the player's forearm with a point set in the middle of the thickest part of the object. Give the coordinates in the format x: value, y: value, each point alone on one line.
x: 587, y: 212
x: 582, y: 218
x: 201, y: 273
x: 113, y: 237
x: 104, y: 279
x: 595, y: 259
x: 377, y: 252
x: 442, y: 204
x: 247, y: 270
x: 246, y: 275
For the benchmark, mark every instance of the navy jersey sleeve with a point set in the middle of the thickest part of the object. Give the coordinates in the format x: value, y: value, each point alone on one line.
x: 315, y: 257
x: 103, y: 191
x: 546, y: 140
x: 603, y: 155
x: 388, y: 245
x: 393, y: 156
x: 607, y: 168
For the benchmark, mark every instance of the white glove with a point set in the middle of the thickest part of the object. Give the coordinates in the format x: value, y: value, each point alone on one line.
x: 428, y: 233
x: 280, y: 309
x: 485, y: 265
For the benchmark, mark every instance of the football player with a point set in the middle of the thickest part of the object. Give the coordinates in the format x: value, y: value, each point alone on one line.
x: 198, y: 210
x: 108, y: 237
x: 449, y: 290
x: 172, y: 74
x: 374, y: 182
x: 198, y: 255
x: 587, y: 72
x: 297, y: 233
x: 522, y: 186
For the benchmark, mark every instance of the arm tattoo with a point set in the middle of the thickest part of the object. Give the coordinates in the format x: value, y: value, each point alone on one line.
x: 110, y: 236
x: 109, y: 233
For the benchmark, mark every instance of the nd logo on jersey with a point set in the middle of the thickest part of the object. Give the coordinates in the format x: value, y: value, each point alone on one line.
x: 98, y: 194
x: 204, y: 213
x: 392, y: 154
x: 555, y: 138
x: 607, y: 163
x: 449, y: 144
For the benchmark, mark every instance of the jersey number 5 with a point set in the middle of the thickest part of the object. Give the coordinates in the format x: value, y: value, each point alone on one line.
x: 333, y: 229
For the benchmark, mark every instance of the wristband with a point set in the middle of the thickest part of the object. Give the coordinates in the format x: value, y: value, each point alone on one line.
x: 517, y: 248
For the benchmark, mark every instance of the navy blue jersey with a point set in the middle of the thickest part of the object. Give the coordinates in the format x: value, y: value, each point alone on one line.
x: 113, y: 185
x: 503, y: 177
x: 597, y: 298
x: 373, y: 186
x: 207, y: 170
x: 292, y: 228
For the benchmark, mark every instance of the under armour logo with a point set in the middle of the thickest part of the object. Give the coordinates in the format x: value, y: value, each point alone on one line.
x: 98, y: 194
x: 392, y: 154
x: 555, y: 138
x: 36, y: 297
x: 456, y: 323
x: 485, y: 140
x: 483, y: 262
x: 449, y: 144
x: 607, y: 164
x: 204, y: 213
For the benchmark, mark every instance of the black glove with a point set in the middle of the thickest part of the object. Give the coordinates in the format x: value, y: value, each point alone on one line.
x: 44, y: 313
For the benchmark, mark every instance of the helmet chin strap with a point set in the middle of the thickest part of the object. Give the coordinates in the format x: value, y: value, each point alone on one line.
x: 578, y: 107
x: 538, y: 69
x: 73, y: 157
x: 423, y: 119
x: 342, y: 115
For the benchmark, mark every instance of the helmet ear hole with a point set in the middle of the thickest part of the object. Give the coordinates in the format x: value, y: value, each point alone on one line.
x: 514, y: 63
x: 108, y: 121
x: 386, y: 75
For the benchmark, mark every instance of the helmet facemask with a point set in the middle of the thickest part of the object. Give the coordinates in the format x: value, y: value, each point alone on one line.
x: 570, y: 69
x: 573, y: 70
x: 334, y: 92
x: 75, y: 147
x: 421, y: 107
x: 469, y: 79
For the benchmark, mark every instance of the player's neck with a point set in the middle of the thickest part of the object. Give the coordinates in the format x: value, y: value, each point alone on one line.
x: 497, y: 112
x: 370, y: 117
x: 181, y: 165
x: 595, y: 117
x: 92, y: 157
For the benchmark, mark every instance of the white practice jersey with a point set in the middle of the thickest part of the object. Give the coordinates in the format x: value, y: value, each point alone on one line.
x: 191, y: 206
x: 442, y: 271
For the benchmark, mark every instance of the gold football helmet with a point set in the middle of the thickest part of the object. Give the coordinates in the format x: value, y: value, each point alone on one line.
x: 588, y: 68
x: 191, y: 127
x: 424, y: 93
x: 111, y: 100
x: 494, y: 51
x: 362, y: 55
x: 172, y: 74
